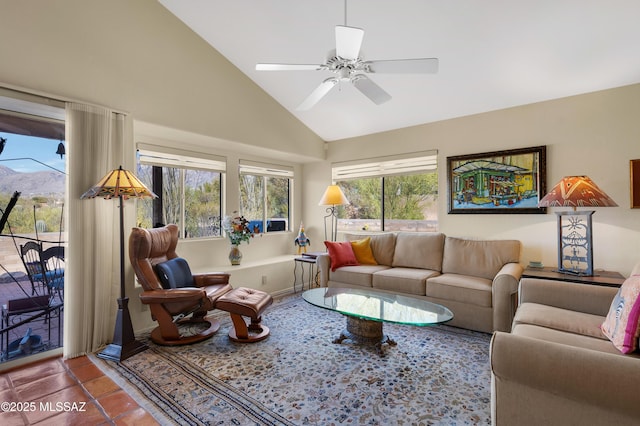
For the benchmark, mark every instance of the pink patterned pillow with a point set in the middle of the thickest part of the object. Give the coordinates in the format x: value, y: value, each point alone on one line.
x: 622, y: 323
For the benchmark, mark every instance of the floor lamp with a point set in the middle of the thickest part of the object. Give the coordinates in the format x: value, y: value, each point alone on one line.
x: 332, y: 197
x: 575, y: 241
x: 123, y: 185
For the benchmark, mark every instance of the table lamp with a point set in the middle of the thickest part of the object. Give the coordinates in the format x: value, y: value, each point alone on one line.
x: 333, y: 196
x: 123, y: 185
x: 575, y: 242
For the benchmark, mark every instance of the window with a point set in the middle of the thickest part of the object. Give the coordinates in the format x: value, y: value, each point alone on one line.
x: 32, y: 199
x: 189, y: 191
x: 390, y: 194
x: 265, y: 193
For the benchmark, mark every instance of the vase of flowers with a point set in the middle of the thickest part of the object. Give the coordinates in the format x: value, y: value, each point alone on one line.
x: 237, y: 229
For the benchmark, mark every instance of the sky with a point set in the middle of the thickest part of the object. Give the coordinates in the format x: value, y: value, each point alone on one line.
x: 39, y: 149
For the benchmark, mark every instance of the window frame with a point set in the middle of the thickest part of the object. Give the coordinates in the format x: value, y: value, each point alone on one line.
x: 160, y: 158
x: 266, y: 170
x: 382, y: 168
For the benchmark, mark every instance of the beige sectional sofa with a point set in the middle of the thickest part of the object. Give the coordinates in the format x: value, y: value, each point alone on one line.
x: 556, y: 367
x: 476, y: 280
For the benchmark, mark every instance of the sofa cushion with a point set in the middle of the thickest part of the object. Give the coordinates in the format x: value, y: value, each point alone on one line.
x: 621, y: 325
x: 362, y: 250
x: 403, y: 280
x: 382, y: 245
x: 460, y: 288
x: 560, y: 319
x: 341, y: 254
x: 478, y: 258
x: 567, y: 338
x: 357, y: 275
x: 419, y: 250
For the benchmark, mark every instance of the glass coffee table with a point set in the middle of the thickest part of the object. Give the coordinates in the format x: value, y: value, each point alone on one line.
x: 367, y: 310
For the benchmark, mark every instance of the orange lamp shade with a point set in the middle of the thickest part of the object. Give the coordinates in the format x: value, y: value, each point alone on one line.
x: 576, y: 191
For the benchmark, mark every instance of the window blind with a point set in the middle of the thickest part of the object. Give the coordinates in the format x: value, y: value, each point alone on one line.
x: 265, y: 169
x: 386, y: 166
x: 26, y: 103
x: 170, y: 157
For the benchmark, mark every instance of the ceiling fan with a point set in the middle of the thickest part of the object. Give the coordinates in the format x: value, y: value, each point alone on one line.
x: 346, y: 63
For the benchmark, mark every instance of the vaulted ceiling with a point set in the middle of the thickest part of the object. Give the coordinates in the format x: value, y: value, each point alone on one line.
x: 493, y: 54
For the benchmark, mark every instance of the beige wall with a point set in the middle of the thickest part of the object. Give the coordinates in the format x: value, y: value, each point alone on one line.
x: 134, y: 56
x: 594, y: 134
x: 137, y: 57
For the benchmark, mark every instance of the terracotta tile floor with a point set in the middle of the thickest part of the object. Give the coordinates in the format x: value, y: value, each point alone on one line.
x: 52, y: 387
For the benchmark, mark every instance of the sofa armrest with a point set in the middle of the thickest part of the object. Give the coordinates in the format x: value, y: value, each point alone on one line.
x: 504, y: 291
x: 323, y: 263
x: 539, y: 382
x: 590, y: 299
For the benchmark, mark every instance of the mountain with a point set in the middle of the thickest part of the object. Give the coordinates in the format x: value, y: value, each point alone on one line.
x: 31, y: 184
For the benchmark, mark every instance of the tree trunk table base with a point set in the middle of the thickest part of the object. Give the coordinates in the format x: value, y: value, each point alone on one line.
x: 365, y: 332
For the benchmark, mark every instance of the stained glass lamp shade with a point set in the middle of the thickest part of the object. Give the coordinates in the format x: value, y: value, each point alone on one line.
x: 118, y: 183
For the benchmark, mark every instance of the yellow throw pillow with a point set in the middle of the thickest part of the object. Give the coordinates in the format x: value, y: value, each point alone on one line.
x: 362, y: 250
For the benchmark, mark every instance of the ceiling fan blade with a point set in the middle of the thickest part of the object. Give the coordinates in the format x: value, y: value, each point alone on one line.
x: 403, y: 66
x: 317, y: 94
x: 348, y: 41
x: 370, y: 89
x: 289, y: 67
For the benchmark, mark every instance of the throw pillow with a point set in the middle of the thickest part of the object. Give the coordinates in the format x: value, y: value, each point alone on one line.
x: 363, y: 252
x: 341, y: 254
x: 621, y: 325
x: 174, y: 273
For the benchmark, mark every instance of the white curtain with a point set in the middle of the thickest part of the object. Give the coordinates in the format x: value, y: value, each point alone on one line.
x: 96, y: 140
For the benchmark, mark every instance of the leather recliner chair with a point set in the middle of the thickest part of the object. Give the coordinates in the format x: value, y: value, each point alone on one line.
x: 177, y: 299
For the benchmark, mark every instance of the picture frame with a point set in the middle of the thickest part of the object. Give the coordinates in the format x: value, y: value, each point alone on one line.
x: 634, y: 168
x: 498, y: 182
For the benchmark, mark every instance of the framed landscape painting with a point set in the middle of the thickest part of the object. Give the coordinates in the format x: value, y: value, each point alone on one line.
x: 511, y: 181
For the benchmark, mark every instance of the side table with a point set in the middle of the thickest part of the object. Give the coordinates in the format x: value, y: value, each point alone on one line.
x: 603, y: 278
x: 308, y: 259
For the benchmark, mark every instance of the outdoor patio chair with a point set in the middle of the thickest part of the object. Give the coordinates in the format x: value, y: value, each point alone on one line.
x: 53, y: 261
x: 31, y: 256
x: 45, y: 269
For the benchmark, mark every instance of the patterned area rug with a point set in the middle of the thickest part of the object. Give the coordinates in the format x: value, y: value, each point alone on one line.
x: 435, y: 375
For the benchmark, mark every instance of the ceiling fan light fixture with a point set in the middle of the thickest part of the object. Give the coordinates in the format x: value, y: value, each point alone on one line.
x: 344, y: 73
